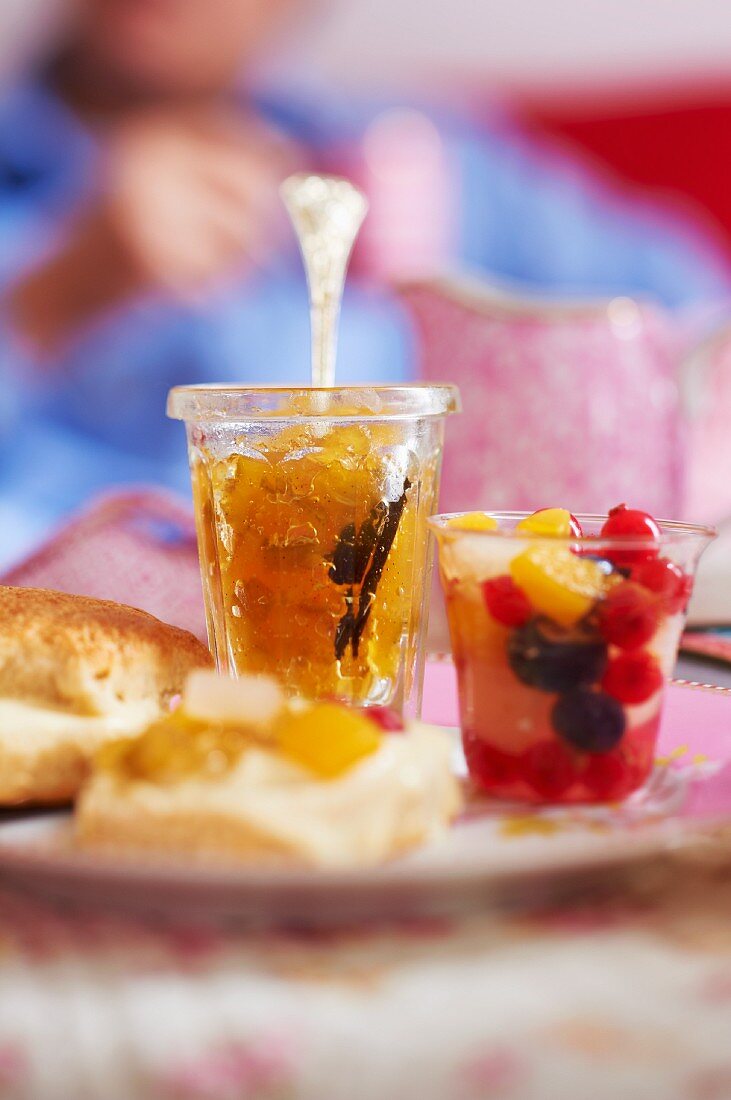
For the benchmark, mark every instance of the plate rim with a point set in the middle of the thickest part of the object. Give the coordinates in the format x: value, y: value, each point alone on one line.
x: 82, y: 869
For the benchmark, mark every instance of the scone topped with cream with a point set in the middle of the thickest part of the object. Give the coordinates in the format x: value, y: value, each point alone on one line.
x: 75, y: 672
x: 239, y: 771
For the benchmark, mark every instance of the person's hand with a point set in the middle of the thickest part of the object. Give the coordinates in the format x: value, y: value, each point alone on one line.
x: 186, y: 200
x: 182, y: 201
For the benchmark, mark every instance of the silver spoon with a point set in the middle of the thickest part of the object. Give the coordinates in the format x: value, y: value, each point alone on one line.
x: 326, y: 213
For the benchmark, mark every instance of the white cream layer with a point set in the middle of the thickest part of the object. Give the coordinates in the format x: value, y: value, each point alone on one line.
x: 267, y: 808
x: 36, y: 726
x: 45, y: 753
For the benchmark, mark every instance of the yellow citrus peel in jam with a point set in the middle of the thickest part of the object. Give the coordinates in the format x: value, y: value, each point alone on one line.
x: 220, y: 718
x: 178, y: 747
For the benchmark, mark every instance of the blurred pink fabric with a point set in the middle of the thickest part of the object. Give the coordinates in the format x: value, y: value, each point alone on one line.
x: 138, y: 548
x: 707, y: 379
x: 566, y: 405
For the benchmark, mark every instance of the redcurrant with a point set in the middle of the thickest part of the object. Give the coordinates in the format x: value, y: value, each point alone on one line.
x: 628, y: 616
x: 488, y: 767
x: 624, y: 522
x: 608, y: 776
x: 576, y: 528
x: 549, y: 768
x: 667, y: 580
x: 632, y: 677
x: 387, y: 719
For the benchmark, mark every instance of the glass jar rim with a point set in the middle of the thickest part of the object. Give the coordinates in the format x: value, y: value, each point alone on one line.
x: 218, y: 402
x: 672, y: 532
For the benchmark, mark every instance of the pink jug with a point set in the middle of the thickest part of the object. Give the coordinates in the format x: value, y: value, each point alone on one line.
x: 564, y: 403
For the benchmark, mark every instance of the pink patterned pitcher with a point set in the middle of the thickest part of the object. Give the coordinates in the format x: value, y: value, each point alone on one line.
x: 572, y: 404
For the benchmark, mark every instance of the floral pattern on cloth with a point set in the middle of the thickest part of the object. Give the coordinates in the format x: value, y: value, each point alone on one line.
x: 262, y: 1068
x: 624, y: 991
x: 13, y: 1067
x: 618, y: 994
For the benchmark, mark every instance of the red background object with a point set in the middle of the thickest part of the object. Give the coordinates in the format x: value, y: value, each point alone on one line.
x: 672, y: 142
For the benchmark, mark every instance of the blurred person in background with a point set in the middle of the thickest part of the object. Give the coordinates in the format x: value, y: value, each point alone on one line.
x: 142, y: 244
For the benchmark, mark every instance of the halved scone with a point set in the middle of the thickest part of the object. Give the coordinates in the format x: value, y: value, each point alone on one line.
x: 239, y: 772
x: 75, y: 672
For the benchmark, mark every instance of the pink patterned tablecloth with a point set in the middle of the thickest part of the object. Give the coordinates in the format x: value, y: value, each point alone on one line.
x: 625, y: 997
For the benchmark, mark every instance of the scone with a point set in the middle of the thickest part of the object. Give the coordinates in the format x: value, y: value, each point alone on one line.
x: 75, y: 672
x: 238, y: 772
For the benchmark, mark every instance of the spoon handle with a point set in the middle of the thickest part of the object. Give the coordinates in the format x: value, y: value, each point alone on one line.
x: 326, y: 213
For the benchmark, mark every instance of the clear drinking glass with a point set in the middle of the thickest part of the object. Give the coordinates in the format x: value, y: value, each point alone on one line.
x: 311, y: 509
x: 563, y: 648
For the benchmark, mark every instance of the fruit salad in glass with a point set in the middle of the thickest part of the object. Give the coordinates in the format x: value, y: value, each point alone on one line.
x: 564, y: 632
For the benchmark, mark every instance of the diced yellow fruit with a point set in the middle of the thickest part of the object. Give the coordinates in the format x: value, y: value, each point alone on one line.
x: 558, y: 584
x: 327, y: 739
x: 248, y: 701
x: 550, y: 522
x: 474, y: 521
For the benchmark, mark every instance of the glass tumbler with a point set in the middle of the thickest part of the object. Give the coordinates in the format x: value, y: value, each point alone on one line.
x: 311, y: 509
x: 563, y: 648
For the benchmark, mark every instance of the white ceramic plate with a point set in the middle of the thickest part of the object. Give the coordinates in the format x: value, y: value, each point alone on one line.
x: 490, y: 856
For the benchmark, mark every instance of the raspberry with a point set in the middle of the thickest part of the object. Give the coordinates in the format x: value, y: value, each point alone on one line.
x: 549, y: 768
x: 387, y: 719
x: 666, y: 580
x: 507, y: 603
x: 628, y: 616
x: 632, y: 678
x: 624, y: 522
x: 608, y: 776
x: 488, y: 767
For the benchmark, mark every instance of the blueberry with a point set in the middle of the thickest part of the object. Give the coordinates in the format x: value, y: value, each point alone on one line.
x: 607, y: 567
x: 588, y: 720
x: 549, y: 658
x: 604, y: 564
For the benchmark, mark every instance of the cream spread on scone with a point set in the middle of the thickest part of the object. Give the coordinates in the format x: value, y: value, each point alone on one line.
x: 44, y: 753
x: 37, y: 724
x: 266, y: 782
